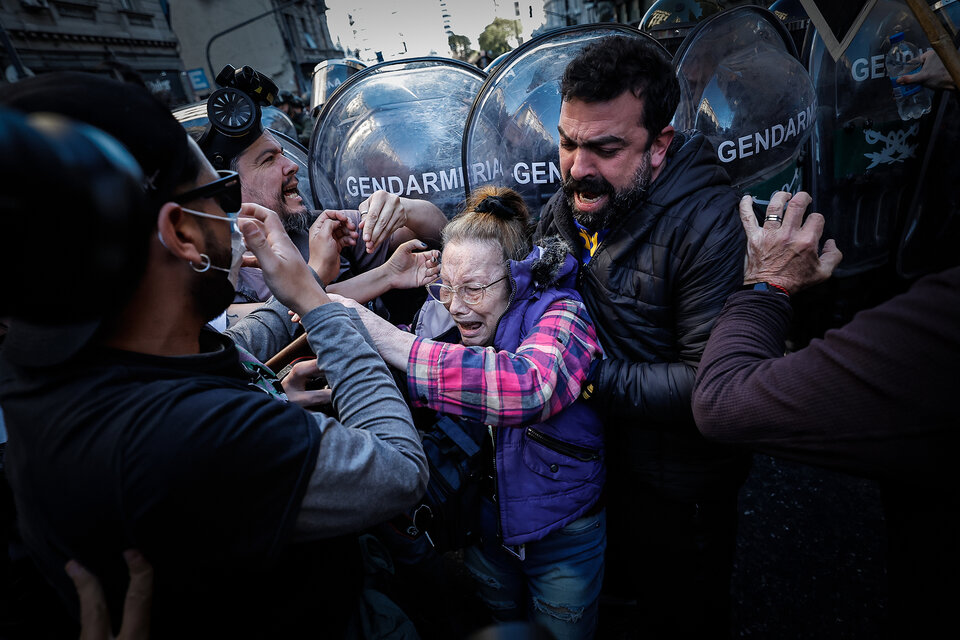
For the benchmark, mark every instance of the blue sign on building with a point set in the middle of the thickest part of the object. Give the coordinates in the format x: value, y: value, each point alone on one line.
x: 198, y: 79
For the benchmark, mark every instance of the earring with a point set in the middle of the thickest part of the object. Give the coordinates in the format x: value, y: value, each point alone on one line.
x: 204, y: 261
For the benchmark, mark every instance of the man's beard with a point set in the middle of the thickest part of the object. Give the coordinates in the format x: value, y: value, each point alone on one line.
x: 211, y: 290
x: 298, y: 220
x: 618, y: 204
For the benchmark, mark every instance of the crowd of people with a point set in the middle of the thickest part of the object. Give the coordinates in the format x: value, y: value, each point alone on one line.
x: 620, y: 357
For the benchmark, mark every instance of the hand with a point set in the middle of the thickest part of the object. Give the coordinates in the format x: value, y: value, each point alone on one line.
x: 329, y: 234
x: 344, y: 231
x: 295, y: 385
x: 932, y: 74
x: 407, y: 268
x: 785, y: 253
x: 94, y: 617
x: 383, y: 213
x: 285, y: 272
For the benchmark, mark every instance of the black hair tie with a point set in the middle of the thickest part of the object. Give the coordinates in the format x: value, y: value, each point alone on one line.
x: 494, y: 205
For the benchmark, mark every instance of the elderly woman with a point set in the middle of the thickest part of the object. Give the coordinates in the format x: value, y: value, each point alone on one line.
x: 512, y: 345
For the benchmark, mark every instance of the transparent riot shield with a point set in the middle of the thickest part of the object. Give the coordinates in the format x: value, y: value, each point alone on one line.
x: 327, y: 78
x: 396, y: 126
x: 669, y: 21
x: 865, y: 159
x: 789, y: 10
x: 511, y: 136
x: 949, y: 12
x: 273, y: 118
x: 794, y: 18
x: 743, y: 87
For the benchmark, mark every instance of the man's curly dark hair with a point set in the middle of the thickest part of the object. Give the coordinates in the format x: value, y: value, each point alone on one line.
x: 608, y: 67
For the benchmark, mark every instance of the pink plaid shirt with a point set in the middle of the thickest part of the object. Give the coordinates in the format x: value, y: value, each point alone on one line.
x: 508, y: 389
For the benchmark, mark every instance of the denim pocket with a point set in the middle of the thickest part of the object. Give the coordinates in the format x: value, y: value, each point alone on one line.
x: 583, y: 525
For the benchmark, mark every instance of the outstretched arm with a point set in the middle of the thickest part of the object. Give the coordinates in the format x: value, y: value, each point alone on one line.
x: 370, y: 464
x: 501, y: 388
x: 409, y: 267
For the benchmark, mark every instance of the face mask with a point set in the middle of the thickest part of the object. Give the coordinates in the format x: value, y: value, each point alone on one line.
x: 237, y: 248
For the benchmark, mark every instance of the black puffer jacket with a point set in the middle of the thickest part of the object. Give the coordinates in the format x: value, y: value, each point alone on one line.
x: 654, y: 287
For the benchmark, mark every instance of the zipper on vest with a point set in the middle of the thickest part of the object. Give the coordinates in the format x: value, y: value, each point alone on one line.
x: 583, y: 454
x: 496, y: 489
x: 513, y: 294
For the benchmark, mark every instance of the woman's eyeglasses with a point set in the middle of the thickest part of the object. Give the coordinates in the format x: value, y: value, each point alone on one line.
x: 226, y: 190
x: 470, y: 293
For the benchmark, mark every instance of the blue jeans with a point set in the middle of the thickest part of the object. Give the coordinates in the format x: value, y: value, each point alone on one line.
x: 556, y: 585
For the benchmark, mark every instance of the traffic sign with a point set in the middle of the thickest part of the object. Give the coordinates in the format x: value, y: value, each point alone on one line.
x: 198, y: 79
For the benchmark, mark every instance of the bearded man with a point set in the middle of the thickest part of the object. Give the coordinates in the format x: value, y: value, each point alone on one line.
x: 383, y: 223
x: 654, y: 219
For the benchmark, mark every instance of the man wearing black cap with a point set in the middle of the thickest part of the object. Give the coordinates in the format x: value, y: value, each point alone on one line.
x: 269, y: 178
x: 142, y: 429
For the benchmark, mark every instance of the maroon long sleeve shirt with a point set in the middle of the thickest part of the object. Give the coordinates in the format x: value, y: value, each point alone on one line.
x: 877, y: 397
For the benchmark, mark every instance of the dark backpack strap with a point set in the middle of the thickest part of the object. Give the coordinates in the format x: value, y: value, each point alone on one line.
x: 460, y: 437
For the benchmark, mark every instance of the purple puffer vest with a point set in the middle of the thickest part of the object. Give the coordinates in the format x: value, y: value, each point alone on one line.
x: 548, y: 474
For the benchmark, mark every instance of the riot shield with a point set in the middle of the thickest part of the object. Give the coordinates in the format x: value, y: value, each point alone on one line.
x: 327, y: 78
x: 396, y: 126
x: 193, y: 118
x: 931, y: 231
x: 669, y: 21
x: 794, y: 17
x: 511, y: 136
x: 865, y: 159
x: 274, y: 118
x: 949, y: 12
x: 743, y: 87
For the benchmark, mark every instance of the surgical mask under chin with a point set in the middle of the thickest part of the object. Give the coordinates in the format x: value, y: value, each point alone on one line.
x: 237, y: 248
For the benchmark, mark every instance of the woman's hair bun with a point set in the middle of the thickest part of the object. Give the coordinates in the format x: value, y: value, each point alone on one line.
x: 496, y: 206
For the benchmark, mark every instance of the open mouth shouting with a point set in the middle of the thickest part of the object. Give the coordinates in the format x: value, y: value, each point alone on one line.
x: 590, y: 197
x: 469, y: 329
x: 588, y: 201
x: 291, y: 195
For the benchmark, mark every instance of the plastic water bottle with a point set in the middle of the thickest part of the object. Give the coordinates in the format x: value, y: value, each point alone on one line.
x: 913, y: 100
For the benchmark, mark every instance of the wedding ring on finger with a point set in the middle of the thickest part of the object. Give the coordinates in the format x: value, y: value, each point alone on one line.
x: 774, y: 218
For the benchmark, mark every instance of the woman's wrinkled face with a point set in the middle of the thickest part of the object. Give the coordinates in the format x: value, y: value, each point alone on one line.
x: 478, y: 263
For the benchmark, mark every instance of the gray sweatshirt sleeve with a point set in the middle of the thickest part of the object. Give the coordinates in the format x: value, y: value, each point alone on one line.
x: 371, y: 465
x: 264, y: 331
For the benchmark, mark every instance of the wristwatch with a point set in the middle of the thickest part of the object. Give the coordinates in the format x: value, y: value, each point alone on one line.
x: 766, y: 286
